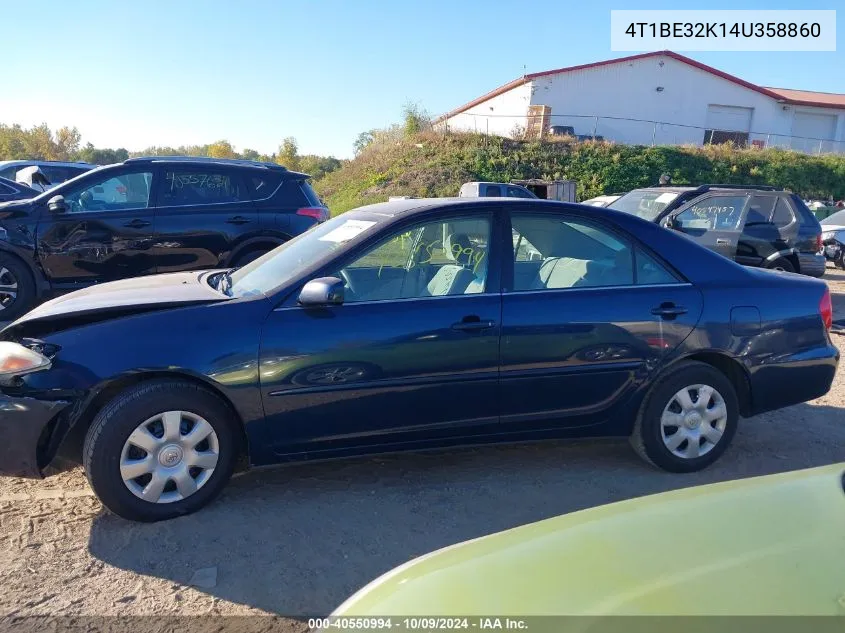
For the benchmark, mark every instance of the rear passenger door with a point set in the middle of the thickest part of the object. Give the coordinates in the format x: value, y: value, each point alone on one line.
x: 587, y: 314
x: 714, y: 221
x: 201, y: 214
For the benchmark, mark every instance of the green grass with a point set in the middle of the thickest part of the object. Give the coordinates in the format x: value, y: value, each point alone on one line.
x: 435, y: 165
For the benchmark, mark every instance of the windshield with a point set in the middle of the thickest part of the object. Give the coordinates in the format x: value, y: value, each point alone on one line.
x: 835, y: 219
x: 282, y: 264
x: 644, y: 203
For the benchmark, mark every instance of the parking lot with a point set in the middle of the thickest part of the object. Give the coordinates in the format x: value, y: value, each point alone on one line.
x: 299, y: 540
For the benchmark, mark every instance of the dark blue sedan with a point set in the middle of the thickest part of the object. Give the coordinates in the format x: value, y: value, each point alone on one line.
x: 408, y: 325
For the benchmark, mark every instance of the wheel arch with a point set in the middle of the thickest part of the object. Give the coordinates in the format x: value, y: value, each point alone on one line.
x: 268, y: 242
x: 68, y: 444
x: 733, y: 370
x: 41, y: 284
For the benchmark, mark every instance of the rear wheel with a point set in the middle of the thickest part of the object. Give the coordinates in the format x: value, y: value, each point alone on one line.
x: 783, y: 264
x: 17, y: 288
x: 160, y: 450
x: 687, y: 419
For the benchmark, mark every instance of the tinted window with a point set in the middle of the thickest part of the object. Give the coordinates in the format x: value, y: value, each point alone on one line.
x: 263, y: 185
x: 646, y: 204
x: 309, y: 193
x: 650, y: 271
x: 718, y: 213
x: 573, y: 254
x: 9, y: 172
x: 760, y: 210
x: 783, y: 214
x: 429, y: 260
x: 4, y: 189
x: 57, y: 174
x: 198, y: 187
x: 516, y: 192
x: 492, y: 191
x: 126, y: 191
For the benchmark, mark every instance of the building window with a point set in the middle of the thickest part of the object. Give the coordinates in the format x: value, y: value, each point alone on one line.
x: 717, y: 137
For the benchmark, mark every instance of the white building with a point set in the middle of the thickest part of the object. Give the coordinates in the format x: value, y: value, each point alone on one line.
x: 657, y: 98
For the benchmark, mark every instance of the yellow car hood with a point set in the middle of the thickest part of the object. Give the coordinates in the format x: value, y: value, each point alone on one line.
x: 766, y: 545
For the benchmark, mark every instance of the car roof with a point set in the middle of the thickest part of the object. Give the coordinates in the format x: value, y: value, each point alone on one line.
x: 46, y: 163
x: 709, y: 187
x: 205, y: 160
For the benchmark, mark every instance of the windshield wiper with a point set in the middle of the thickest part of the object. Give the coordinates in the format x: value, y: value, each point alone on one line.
x: 224, y: 282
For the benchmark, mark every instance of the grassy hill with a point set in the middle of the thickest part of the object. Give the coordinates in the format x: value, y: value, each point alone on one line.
x: 432, y: 164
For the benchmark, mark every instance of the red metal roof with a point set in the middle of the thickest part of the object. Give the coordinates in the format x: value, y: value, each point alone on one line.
x: 795, y: 97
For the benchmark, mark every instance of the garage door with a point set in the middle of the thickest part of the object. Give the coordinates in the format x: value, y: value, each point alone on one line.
x: 729, y: 118
x: 809, y: 126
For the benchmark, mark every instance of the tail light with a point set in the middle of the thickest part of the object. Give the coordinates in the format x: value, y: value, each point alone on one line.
x: 826, y: 309
x: 321, y: 214
x: 819, y: 242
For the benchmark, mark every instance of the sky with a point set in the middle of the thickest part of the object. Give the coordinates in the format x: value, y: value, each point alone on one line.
x: 167, y: 72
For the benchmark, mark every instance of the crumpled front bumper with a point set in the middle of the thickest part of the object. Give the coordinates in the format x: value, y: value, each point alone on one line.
x: 22, y: 423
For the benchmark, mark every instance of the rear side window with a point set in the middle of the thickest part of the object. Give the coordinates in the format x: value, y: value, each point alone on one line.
x: 298, y: 193
x: 516, y: 192
x: 198, y: 187
x: 5, y: 189
x: 491, y: 191
x: 9, y: 172
x: 782, y: 215
x: 717, y: 213
x: 310, y: 194
x: 262, y: 186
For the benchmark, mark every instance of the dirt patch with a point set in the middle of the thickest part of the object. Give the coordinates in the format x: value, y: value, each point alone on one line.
x: 299, y: 540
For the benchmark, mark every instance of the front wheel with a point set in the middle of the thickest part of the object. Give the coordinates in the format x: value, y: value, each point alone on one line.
x: 160, y: 450
x: 17, y: 288
x: 687, y: 419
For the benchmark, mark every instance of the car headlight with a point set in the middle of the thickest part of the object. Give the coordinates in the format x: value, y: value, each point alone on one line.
x: 15, y: 360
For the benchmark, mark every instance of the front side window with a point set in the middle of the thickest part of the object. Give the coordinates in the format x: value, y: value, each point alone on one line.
x: 717, y: 213
x: 198, y: 187
x: 444, y: 257
x: 517, y: 192
x: 115, y: 193
x: 646, y: 204
x: 572, y: 253
x: 491, y: 191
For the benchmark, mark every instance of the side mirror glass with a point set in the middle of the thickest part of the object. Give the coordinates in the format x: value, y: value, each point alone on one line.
x: 325, y: 291
x: 57, y: 204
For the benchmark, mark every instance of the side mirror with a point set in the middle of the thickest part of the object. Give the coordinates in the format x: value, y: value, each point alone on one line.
x: 325, y: 291
x: 57, y: 204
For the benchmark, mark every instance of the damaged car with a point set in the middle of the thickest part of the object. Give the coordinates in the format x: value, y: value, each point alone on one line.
x: 407, y: 325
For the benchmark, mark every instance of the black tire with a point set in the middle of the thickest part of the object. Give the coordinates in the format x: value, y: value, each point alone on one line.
x: 246, y: 258
x: 114, y: 423
x: 13, y: 270
x: 783, y: 264
x: 647, y: 436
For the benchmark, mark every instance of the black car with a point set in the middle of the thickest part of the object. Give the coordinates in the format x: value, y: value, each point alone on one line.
x: 403, y: 325
x: 145, y: 216
x: 755, y: 225
x: 11, y: 190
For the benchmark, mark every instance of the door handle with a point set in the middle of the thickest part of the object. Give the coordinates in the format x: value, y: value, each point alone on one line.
x: 136, y: 224
x: 723, y: 242
x: 472, y: 324
x: 668, y: 310
x: 238, y: 219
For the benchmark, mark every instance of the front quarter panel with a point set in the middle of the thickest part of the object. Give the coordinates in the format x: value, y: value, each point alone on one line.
x: 216, y: 344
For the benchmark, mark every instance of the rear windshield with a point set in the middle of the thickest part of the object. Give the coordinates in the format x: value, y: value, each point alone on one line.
x: 644, y: 203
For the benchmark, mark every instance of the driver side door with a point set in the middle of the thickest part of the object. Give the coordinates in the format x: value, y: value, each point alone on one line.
x: 105, y: 233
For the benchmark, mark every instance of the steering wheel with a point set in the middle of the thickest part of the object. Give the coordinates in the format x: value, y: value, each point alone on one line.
x: 347, y: 281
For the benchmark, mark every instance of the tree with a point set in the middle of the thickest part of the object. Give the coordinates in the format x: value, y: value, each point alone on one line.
x: 250, y: 154
x: 289, y: 154
x: 221, y: 149
x: 415, y: 118
x: 67, y: 143
x: 318, y: 166
x: 363, y: 140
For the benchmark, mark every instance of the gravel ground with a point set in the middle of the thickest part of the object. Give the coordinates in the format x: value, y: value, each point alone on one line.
x: 300, y: 539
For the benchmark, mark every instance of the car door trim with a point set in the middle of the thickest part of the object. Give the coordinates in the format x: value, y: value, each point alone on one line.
x: 594, y: 288
x: 784, y: 253
x: 485, y: 376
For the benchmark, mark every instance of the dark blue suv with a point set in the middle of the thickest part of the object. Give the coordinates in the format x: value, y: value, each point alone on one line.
x: 146, y: 216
